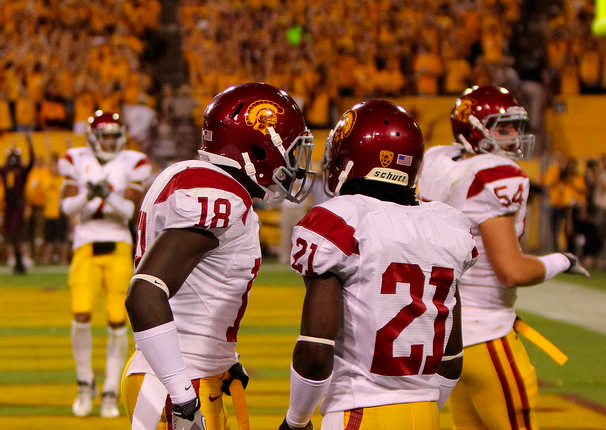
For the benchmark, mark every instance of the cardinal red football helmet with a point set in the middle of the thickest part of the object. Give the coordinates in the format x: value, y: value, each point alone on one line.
x: 376, y: 140
x: 105, y: 135
x: 260, y: 130
x: 479, y: 111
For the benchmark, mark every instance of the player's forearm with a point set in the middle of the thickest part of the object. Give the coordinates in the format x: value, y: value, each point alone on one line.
x: 74, y: 204
x: 123, y: 207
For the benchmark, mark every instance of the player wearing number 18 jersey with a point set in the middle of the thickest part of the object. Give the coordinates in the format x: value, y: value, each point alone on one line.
x: 381, y: 273
x: 198, y: 252
x: 498, y: 387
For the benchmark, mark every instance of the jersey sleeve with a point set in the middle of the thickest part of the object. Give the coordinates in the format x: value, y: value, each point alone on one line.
x: 322, y: 242
x: 141, y: 169
x: 211, y: 209
x: 496, y: 191
x: 66, y: 167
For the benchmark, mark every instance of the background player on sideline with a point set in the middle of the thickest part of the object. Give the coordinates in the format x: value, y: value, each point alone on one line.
x: 103, y: 188
x: 198, y: 252
x: 498, y: 387
x: 381, y: 272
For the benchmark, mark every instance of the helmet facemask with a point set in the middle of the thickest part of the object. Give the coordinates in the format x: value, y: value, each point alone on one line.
x: 294, y: 180
x: 107, y: 140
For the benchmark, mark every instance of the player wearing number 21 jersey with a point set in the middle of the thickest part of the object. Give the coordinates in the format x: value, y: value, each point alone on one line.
x: 198, y: 252
x: 381, y: 273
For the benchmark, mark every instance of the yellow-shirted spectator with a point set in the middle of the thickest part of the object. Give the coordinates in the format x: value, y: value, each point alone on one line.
x: 25, y: 112
x: 458, y: 75
x: 84, y: 107
x: 428, y: 69
x: 390, y: 80
x: 590, y: 66
x: 6, y: 119
x: 36, y: 198
x: 36, y: 82
x: 570, y: 84
x: 365, y: 73
x: 56, y: 225
x: 493, y: 41
x: 557, y: 48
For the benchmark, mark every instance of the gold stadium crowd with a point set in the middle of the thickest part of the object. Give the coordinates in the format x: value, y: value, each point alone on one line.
x: 63, y: 59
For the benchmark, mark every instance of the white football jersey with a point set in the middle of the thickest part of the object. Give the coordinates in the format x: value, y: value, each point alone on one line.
x: 484, y: 186
x: 98, y: 221
x: 211, y: 303
x: 399, y: 266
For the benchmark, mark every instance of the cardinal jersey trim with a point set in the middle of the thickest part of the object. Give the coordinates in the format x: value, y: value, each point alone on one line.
x: 492, y: 174
x: 192, y: 177
x: 333, y: 228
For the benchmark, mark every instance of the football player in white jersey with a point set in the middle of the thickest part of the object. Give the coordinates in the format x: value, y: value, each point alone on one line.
x: 102, y: 190
x: 380, y: 330
x: 498, y: 386
x: 198, y: 252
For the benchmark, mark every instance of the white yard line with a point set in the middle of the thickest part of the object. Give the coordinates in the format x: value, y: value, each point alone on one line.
x: 566, y: 302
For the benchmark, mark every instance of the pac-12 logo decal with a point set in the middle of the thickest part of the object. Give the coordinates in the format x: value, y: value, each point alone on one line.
x: 263, y: 114
x: 386, y: 157
x: 345, y: 125
x: 464, y: 109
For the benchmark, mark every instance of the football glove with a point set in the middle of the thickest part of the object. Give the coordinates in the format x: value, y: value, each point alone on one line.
x: 285, y: 426
x: 575, y: 265
x: 99, y: 189
x: 187, y: 416
x: 237, y: 371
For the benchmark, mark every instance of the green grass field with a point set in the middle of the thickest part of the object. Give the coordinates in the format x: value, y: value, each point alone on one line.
x: 37, y: 377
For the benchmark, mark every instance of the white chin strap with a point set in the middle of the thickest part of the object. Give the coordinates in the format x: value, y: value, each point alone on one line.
x: 277, y: 141
x: 343, y: 176
x: 249, y: 167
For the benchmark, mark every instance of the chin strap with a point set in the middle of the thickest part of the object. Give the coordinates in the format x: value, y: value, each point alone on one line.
x: 343, y: 176
x: 277, y: 141
x: 249, y: 167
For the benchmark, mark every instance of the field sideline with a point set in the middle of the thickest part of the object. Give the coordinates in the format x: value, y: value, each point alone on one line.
x: 37, y: 377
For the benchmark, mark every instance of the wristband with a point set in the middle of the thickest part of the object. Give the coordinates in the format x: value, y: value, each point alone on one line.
x: 555, y: 264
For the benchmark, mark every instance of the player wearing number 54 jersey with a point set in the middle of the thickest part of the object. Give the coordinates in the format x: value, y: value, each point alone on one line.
x: 498, y: 387
x: 381, y: 273
x: 198, y: 252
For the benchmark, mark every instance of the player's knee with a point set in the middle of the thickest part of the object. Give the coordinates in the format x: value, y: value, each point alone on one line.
x: 82, y: 317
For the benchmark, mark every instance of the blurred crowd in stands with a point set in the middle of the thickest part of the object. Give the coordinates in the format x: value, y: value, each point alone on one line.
x: 60, y: 60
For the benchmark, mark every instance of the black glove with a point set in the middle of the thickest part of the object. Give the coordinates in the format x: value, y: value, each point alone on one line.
x: 99, y: 189
x: 575, y: 265
x: 237, y: 372
x: 187, y: 416
x: 285, y: 426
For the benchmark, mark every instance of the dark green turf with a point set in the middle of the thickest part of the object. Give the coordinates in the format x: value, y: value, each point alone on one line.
x: 585, y: 371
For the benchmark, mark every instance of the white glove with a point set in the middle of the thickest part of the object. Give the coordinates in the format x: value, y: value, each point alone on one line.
x: 187, y: 416
x: 575, y: 265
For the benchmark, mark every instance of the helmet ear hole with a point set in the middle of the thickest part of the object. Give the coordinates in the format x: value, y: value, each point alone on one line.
x: 258, y: 152
x: 237, y: 111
